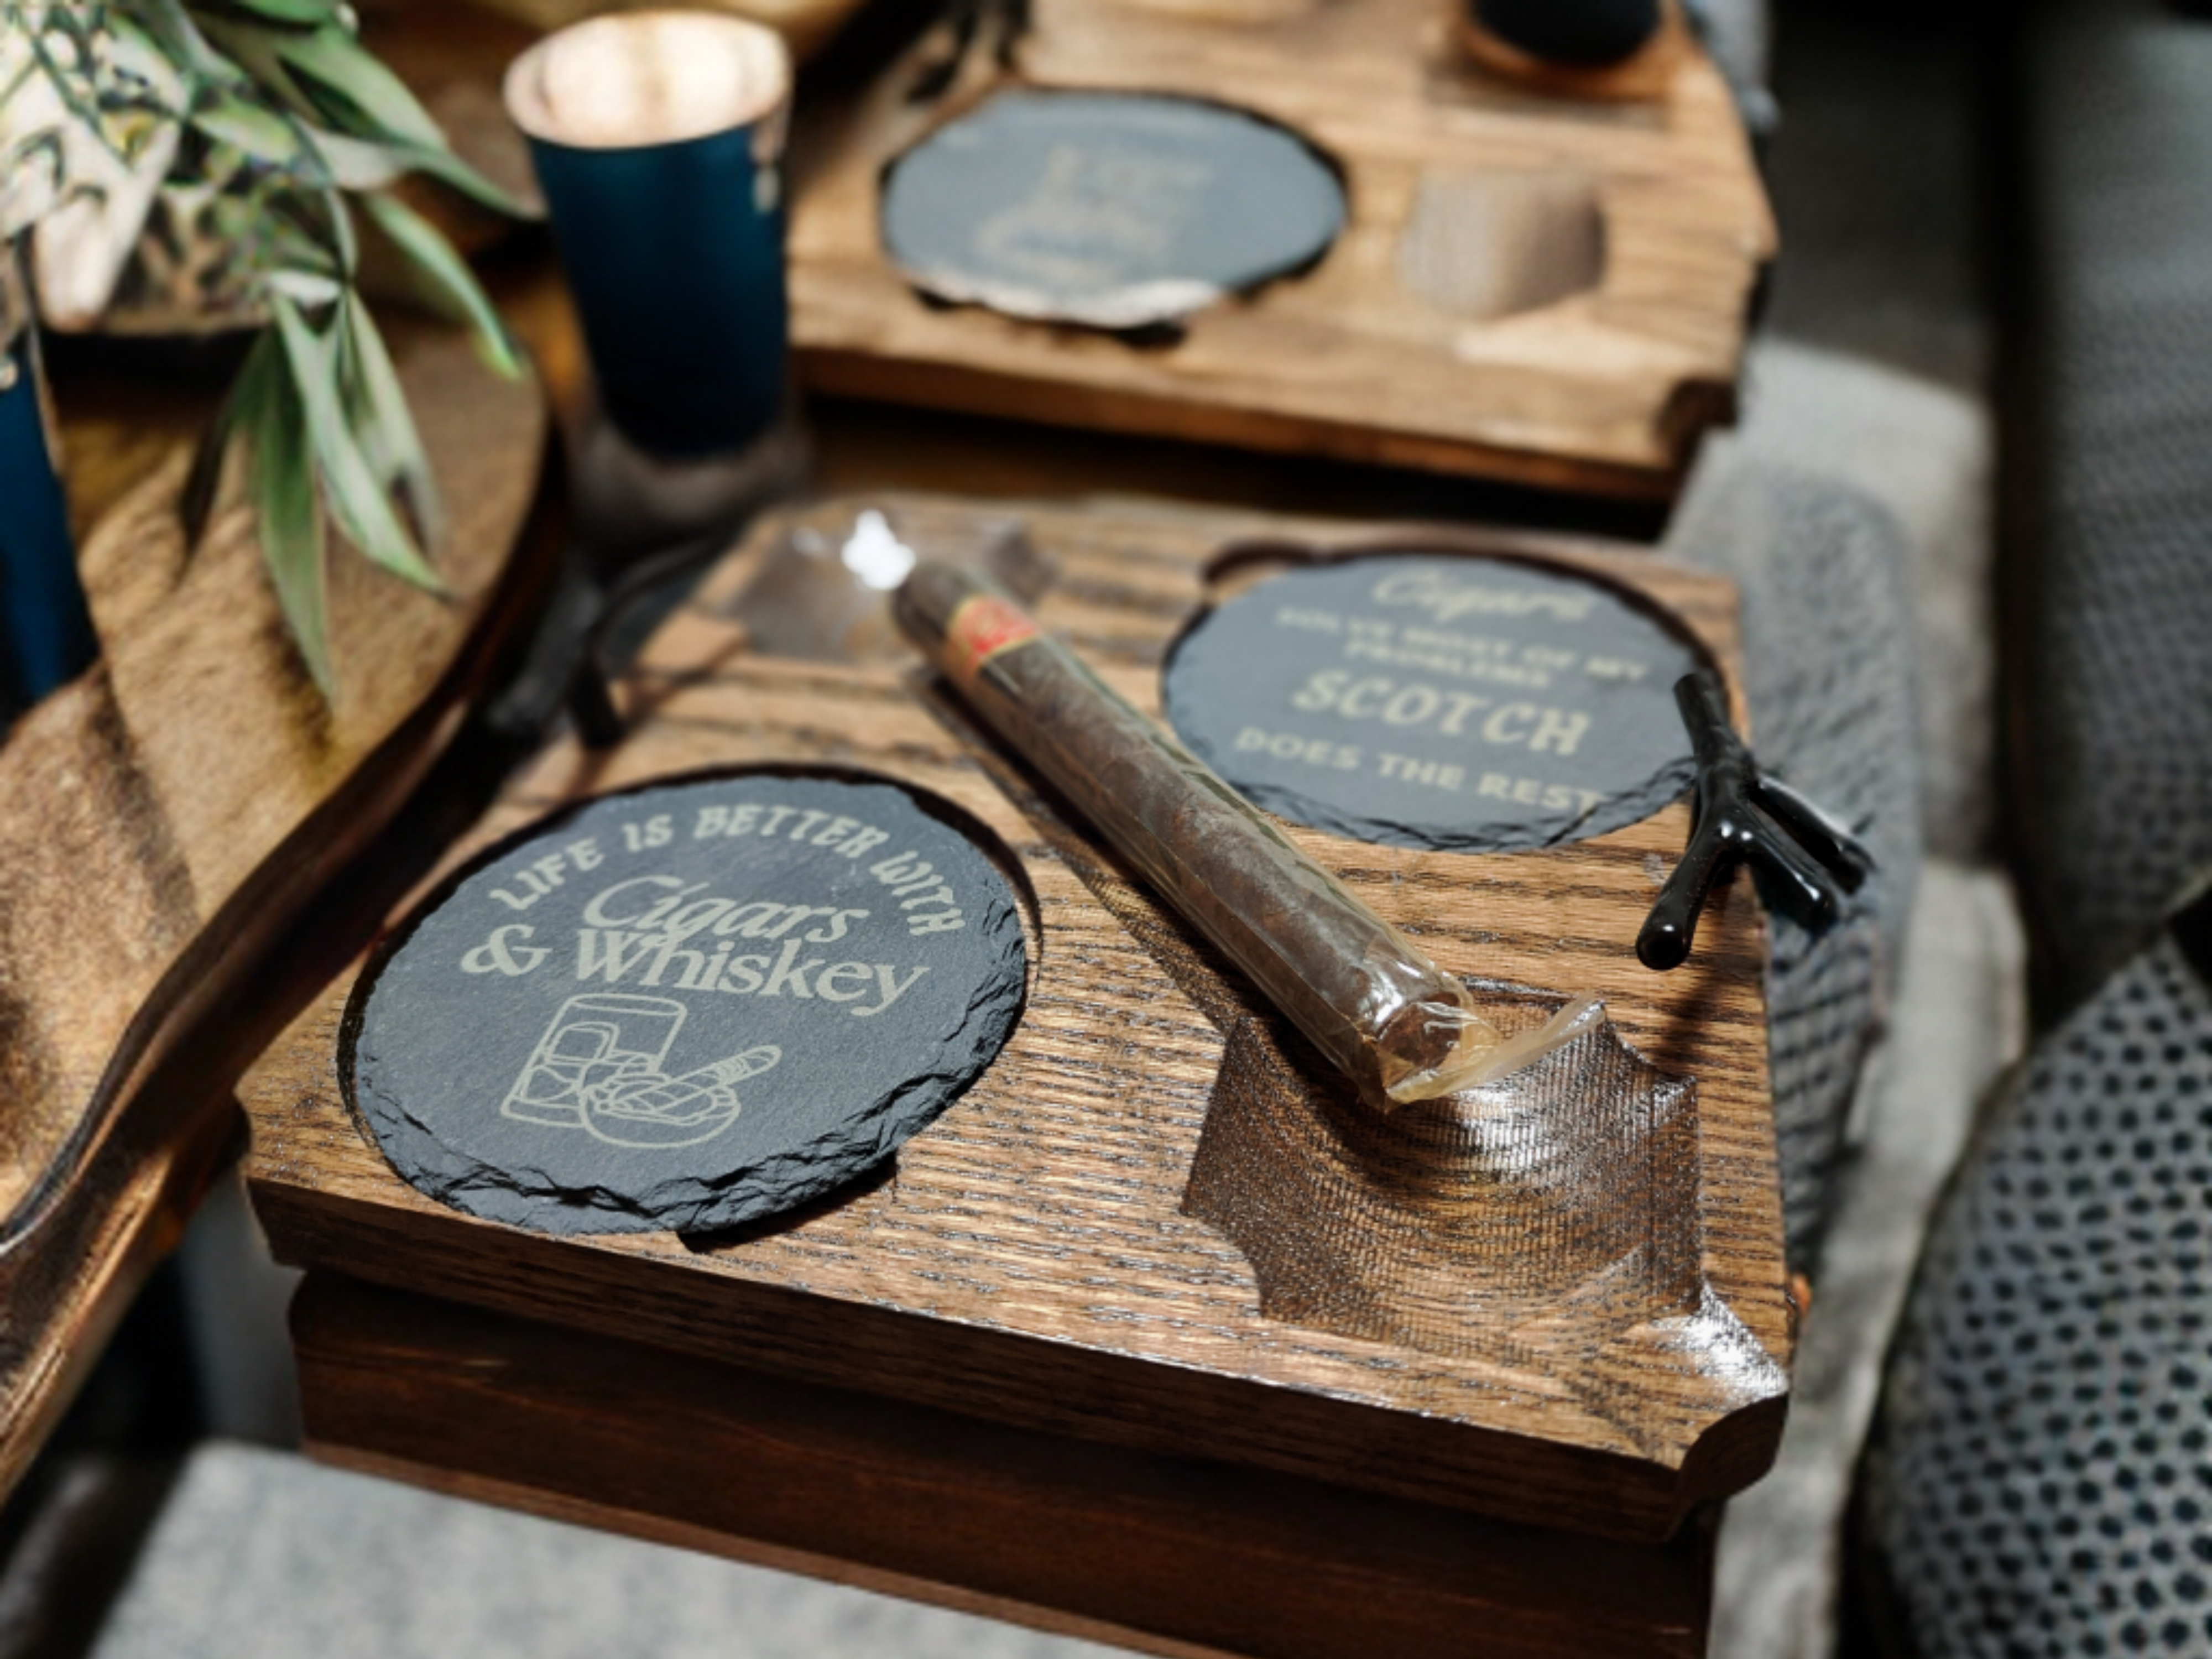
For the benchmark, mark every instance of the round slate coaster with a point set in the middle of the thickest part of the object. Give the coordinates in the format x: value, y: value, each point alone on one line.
x: 1462, y: 704
x: 1116, y: 210
x: 687, y: 1007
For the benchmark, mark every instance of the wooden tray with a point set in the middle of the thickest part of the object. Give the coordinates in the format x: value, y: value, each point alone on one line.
x: 1032, y: 1261
x: 165, y: 818
x: 1535, y: 288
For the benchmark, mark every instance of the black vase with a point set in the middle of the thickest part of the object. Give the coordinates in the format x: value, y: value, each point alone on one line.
x: 1575, y: 34
x: 45, y: 628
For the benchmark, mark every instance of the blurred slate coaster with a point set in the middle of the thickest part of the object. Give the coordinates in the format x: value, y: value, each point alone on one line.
x: 688, y: 1007
x: 1452, y: 704
x: 1115, y: 210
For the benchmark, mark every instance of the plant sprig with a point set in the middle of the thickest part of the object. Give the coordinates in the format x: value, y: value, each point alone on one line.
x: 278, y: 106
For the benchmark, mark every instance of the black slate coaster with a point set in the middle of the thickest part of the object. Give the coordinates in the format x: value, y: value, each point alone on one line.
x: 1462, y: 704
x: 1115, y: 210
x: 688, y: 1007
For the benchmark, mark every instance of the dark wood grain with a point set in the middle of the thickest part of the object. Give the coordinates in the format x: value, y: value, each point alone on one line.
x: 167, y: 817
x: 1031, y: 1262
x: 1601, y: 385
x: 1167, y: 1555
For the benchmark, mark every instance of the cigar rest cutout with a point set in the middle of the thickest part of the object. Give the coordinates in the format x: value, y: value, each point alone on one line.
x: 1483, y: 246
x: 1550, y: 1218
x: 1448, y: 1222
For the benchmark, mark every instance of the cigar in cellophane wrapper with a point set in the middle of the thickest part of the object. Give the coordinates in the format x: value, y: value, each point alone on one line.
x: 1398, y: 1025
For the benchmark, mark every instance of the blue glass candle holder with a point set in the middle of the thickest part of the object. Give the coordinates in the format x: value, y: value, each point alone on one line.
x: 658, y: 138
x: 46, y: 637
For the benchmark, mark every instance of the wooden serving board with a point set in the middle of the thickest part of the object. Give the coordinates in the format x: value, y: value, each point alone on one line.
x: 1035, y: 1260
x: 1532, y: 288
x: 164, y: 819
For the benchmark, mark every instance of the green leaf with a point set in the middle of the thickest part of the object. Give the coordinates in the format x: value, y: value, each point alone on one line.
x: 334, y: 62
x: 204, y: 483
x: 249, y: 51
x: 358, y: 498
x: 295, y: 250
x: 298, y: 234
x: 377, y: 406
x: 330, y: 79
x: 306, y: 229
x: 260, y: 133
x: 340, y: 221
x: 448, y: 168
x: 275, y: 424
x: 305, y: 14
x: 452, y: 284
x: 359, y: 164
x: 171, y: 27
x: 308, y: 289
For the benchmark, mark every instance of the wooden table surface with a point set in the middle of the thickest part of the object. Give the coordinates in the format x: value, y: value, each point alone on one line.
x: 169, y: 817
x: 1326, y: 1561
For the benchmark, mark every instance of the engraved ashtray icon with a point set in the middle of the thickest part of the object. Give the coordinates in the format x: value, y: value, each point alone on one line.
x: 602, y: 1067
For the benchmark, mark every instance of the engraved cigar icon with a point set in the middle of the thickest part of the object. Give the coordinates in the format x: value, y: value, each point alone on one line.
x: 1371, y: 1000
x: 648, y: 1110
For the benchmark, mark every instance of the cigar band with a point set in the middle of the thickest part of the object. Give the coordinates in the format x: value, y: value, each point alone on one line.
x: 983, y: 626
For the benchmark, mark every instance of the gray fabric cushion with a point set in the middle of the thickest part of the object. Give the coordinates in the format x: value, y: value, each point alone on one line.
x: 1961, y: 1013
x: 2041, y: 1483
x: 1828, y: 646
x: 2117, y: 669
x: 1926, y: 453
x: 261, y: 1555
x: 1736, y: 33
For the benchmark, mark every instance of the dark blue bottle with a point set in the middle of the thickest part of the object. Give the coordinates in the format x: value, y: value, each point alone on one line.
x: 1573, y: 33
x: 45, y: 628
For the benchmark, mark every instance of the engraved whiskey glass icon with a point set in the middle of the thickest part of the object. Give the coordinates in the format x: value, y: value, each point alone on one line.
x: 594, y: 1041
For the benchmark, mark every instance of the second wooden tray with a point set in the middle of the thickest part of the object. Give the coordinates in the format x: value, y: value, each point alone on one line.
x: 1538, y: 288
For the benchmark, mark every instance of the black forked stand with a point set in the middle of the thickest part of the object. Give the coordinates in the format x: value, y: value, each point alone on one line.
x: 1740, y: 816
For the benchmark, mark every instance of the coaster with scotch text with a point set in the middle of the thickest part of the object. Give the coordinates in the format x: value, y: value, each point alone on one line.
x: 1465, y: 704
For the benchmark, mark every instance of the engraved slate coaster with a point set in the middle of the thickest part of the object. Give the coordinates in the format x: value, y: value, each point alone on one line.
x: 1117, y: 211
x: 1465, y: 705
x: 688, y: 1007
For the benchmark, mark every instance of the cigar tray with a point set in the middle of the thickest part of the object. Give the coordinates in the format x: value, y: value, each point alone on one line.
x: 1152, y: 1226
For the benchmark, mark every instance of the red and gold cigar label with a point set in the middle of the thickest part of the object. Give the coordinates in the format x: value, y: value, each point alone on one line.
x: 1368, y: 997
x: 983, y: 626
